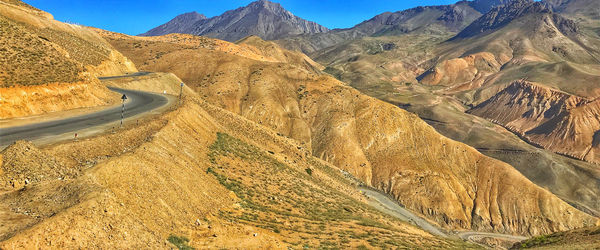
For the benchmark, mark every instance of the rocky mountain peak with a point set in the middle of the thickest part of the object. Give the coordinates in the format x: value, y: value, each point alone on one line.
x: 191, y: 15
x: 265, y: 4
x: 177, y: 25
x: 484, y: 6
x: 262, y: 18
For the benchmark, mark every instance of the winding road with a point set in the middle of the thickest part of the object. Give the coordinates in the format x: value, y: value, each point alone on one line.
x: 387, y: 205
x: 138, y: 102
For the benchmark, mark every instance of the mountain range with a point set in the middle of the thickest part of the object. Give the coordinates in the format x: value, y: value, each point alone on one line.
x: 480, y: 117
x: 262, y: 18
x: 467, y: 58
x: 472, y: 50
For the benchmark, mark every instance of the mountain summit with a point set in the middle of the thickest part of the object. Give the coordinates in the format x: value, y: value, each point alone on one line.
x: 262, y: 18
x: 179, y: 24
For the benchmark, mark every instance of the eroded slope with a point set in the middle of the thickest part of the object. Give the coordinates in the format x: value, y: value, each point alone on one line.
x: 196, y: 175
x: 381, y: 144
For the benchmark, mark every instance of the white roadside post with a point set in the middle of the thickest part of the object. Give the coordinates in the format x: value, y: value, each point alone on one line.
x: 124, y: 97
x: 180, y: 92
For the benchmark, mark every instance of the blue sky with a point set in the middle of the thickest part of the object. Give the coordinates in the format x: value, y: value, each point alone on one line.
x: 137, y: 16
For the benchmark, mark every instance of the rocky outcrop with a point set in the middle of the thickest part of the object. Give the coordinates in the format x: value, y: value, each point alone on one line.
x: 551, y: 119
x: 262, y: 18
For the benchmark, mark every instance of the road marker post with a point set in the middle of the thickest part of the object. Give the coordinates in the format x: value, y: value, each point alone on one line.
x: 123, y: 98
x: 180, y: 92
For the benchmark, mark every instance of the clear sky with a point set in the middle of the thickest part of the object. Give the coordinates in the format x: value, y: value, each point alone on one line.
x: 138, y: 16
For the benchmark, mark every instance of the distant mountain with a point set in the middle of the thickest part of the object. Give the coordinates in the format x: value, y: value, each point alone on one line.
x: 484, y: 6
x: 262, y: 18
x: 589, y: 7
x: 446, y: 17
x: 500, y: 16
x: 441, y: 19
x: 586, y: 12
x: 179, y: 24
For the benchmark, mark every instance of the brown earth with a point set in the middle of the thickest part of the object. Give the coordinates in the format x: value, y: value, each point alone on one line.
x: 39, y: 55
x: 179, y: 175
x: 390, y: 149
x: 441, y: 79
x: 464, y: 73
x: 167, y: 83
x: 552, y: 119
x: 17, y: 101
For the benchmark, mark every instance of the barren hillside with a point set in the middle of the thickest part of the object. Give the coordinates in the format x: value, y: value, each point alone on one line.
x: 198, y: 176
x: 44, y: 62
x: 441, y: 78
x: 390, y: 149
x: 549, y: 118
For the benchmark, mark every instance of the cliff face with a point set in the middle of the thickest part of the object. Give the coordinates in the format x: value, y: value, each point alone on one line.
x: 552, y: 119
x: 384, y: 146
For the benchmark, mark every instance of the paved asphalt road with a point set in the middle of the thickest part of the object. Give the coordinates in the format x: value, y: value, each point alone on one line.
x: 138, y: 102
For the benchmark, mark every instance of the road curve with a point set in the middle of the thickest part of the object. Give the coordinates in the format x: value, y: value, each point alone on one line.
x: 472, y: 236
x: 138, y: 102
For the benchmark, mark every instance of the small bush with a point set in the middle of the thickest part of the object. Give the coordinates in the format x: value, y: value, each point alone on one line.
x: 308, y: 171
x: 180, y: 242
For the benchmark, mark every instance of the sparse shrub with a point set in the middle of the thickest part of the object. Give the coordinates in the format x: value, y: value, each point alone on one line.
x: 180, y: 242
x: 309, y: 171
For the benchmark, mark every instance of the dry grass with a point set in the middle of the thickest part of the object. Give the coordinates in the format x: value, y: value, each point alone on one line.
x: 27, y: 59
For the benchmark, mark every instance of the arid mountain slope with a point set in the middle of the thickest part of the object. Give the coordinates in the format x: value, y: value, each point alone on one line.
x: 446, y: 17
x: 384, y: 146
x: 262, y: 18
x: 525, y: 40
x: 38, y: 54
x: 588, y: 8
x: 549, y: 118
x: 459, y: 74
x: 197, y: 176
x: 528, y: 41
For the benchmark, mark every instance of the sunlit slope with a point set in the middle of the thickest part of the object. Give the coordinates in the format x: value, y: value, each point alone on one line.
x: 199, y: 173
x: 381, y: 144
x: 44, y: 63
